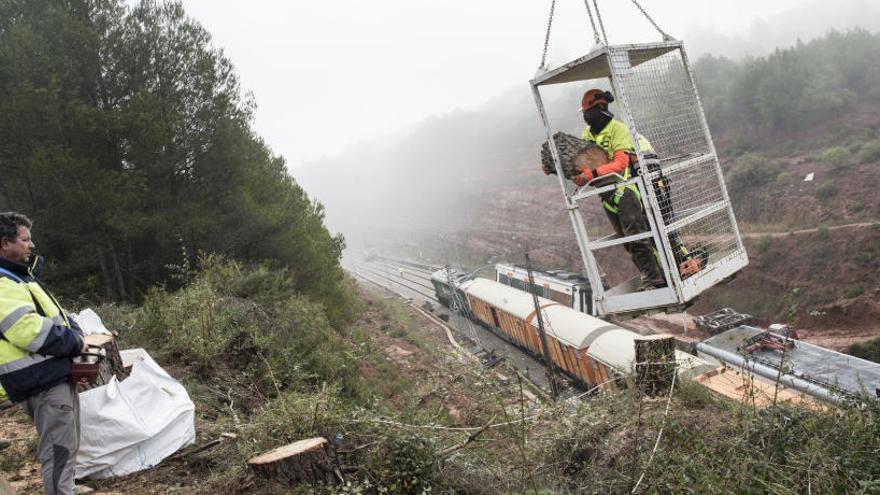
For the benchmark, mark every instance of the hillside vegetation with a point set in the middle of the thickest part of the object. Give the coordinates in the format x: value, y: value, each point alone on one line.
x: 127, y: 139
x: 388, y: 391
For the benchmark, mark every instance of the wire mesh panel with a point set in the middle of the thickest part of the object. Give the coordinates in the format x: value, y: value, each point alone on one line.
x: 660, y: 99
x: 682, y: 175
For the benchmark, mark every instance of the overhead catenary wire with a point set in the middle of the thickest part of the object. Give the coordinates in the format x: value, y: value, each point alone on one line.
x: 457, y: 298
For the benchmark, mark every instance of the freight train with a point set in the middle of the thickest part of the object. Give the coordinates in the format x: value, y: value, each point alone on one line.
x: 591, y: 352
x: 596, y: 354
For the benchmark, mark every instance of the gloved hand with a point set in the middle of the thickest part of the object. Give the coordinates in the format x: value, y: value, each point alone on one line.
x: 585, y: 176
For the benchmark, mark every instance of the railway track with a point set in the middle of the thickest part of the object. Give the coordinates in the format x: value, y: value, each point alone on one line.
x: 422, y: 289
x: 416, y: 284
x: 520, y: 363
x: 429, y: 269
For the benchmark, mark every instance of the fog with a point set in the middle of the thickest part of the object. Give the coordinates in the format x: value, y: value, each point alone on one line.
x: 433, y: 178
x: 402, y: 116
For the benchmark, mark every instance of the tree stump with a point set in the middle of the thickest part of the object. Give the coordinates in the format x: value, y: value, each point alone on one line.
x: 655, y: 363
x: 306, y: 461
x: 111, y: 365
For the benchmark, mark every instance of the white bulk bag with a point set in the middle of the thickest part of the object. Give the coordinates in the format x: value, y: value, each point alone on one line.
x: 132, y: 425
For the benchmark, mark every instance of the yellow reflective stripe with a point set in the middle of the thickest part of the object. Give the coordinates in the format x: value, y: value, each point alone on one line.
x: 28, y: 329
x: 12, y: 318
x: 612, y: 209
x: 20, y: 364
x: 40, y: 339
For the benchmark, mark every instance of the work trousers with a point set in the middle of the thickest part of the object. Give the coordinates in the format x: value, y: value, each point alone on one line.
x: 630, y: 220
x: 55, y: 413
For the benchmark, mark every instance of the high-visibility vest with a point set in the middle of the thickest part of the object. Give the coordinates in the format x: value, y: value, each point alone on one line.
x: 613, y: 138
x: 27, y: 315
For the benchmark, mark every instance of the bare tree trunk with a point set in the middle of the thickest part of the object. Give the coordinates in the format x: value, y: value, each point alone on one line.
x: 108, y: 282
x: 6, y: 196
x: 117, y: 271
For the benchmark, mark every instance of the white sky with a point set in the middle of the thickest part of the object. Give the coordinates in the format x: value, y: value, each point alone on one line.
x: 330, y: 74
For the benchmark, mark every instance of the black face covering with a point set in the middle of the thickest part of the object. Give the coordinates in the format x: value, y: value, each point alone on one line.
x: 597, y: 119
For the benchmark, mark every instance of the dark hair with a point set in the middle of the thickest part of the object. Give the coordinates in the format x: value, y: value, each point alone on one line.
x: 10, y: 222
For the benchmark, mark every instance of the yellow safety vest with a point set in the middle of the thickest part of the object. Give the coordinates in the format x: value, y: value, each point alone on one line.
x: 24, y: 329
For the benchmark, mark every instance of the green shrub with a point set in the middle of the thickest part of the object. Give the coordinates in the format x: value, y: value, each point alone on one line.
x: 869, y: 350
x: 837, y: 155
x: 251, y: 319
x: 870, y: 151
x: 410, y: 464
x: 865, y: 258
x: 853, y: 291
x: 764, y: 243
x: 752, y: 171
x: 826, y: 191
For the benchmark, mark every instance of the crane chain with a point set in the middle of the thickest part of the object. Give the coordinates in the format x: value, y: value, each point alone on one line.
x: 592, y: 22
x: 666, y: 37
x: 547, y: 35
x: 601, y: 24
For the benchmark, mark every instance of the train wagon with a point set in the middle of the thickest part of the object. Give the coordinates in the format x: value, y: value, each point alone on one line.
x: 450, y: 295
x: 567, y: 288
x: 590, y: 351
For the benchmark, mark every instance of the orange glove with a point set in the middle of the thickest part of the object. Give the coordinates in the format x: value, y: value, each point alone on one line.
x: 585, y: 176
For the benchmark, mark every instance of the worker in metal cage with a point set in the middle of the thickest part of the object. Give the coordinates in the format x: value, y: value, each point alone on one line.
x: 624, y: 204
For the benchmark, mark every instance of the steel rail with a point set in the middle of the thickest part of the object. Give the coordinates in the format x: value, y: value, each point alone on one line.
x: 375, y: 273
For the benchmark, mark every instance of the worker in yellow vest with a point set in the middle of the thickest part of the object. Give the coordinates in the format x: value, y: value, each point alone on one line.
x: 37, y: 344
x: 622, y: 205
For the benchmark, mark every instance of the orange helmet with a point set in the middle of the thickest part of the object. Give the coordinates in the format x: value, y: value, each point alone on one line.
x: 595, y: 97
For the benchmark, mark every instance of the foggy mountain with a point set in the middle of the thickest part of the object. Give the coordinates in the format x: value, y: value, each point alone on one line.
x: 432, y: 178
x: 803, y: 23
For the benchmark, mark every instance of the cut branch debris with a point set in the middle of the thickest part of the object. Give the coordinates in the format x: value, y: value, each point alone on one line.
x: 473, y: 436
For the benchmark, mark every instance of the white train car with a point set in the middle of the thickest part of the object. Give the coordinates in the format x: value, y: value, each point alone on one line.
x: 566, y: 288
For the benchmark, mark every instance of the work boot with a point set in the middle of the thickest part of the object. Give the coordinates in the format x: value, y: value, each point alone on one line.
x: 649, y: 284
x: 4, y: 444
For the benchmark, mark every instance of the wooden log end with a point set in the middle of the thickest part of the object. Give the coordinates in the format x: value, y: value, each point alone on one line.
x: 306, y: 461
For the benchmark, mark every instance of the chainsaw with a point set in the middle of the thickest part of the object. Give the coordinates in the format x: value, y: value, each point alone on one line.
x: 85, y: 367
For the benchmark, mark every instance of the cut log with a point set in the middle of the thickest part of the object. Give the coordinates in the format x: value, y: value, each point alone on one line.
x: 574, y: 153
x: 111, y: 365
x: 306, y: 461
x: 655, y: 363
